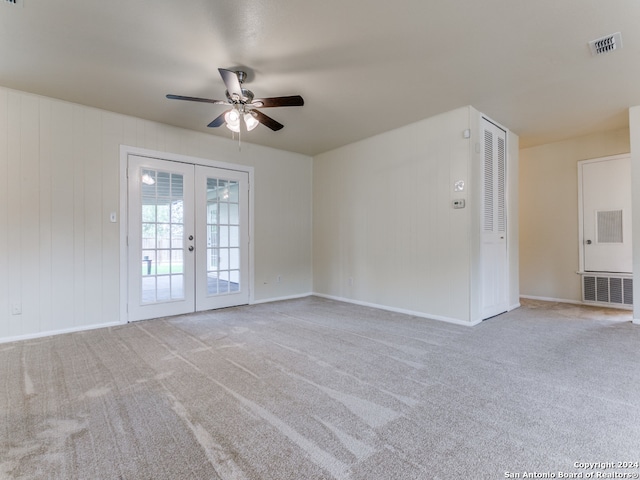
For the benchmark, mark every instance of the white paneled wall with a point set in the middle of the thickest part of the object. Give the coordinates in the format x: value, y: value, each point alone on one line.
x: 385, y: 231
x: 59, y: 180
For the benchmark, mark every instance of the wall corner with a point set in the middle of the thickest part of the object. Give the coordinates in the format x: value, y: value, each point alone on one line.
x: 634, y: 137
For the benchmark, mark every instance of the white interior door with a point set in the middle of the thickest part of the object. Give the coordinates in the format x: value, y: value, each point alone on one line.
x: 493, y: 238
x: 187, y: 238
x: 606, y: 214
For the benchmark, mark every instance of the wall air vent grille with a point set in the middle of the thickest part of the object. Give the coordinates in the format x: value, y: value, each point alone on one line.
x: 614, y: 291
x: 606, y: 44
x: 609, y: 226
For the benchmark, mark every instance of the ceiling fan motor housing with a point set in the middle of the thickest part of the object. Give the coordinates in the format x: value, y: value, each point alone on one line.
x: 247, y: 96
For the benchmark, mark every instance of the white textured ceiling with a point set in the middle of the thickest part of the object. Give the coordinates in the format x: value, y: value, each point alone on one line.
x: 362, y: 66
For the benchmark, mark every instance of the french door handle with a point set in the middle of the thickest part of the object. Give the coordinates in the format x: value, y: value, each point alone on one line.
x: 191, y: 248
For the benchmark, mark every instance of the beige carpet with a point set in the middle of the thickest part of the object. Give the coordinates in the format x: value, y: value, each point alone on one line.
x: 316, y: 389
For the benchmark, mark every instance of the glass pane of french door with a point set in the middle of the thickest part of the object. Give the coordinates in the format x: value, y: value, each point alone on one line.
x: 162, y: 236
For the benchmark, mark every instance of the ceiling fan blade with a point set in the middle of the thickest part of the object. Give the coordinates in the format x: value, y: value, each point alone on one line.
x: 291, y: 101
x: 232, y: 83
x: 267, y: 121
x: 196, y: 99
x: 218, y: 121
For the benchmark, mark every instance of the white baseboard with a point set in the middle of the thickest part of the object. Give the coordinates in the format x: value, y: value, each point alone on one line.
x: 50, y: 333
x: 289, y: 297
x: 398, y: 310
x: 551, y: 299
x: 576, y: 302
x: 279, y: 299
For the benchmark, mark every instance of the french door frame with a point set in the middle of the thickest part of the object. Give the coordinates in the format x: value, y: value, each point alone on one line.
x: 125, y: 151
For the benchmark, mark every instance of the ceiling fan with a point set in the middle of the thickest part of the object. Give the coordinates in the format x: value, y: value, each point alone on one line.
x: 243, y: 104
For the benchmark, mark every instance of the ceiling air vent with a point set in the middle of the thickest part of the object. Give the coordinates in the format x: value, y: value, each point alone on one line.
x: 606, y: 44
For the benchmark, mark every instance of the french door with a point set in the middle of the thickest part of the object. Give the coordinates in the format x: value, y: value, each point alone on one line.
x: 187, y: 238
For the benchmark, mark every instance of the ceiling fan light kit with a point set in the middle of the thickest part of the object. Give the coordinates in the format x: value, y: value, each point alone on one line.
x: 243, y: 105
x: 232, y: 117
x: 250, y: 121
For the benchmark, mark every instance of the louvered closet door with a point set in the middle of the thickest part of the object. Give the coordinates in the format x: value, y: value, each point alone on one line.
x: 494, y: 221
